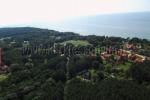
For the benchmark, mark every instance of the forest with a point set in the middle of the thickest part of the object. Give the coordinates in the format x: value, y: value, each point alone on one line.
x: 94, y: 73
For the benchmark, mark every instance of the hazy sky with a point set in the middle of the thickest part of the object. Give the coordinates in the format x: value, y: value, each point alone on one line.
x: 30, y: 11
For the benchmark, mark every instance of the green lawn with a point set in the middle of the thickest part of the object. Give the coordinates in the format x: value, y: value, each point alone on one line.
x: 77, y: 42
x: 125, y: 66
x: 99, y: 50
x: 3, y: 77
x: 93, y: 72
x: 120, y: 70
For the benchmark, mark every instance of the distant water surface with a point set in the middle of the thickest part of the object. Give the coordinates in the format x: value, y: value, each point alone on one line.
x: 122, y: 25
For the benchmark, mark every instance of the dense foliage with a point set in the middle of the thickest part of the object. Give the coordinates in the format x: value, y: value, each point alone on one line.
x: 105, y: 90
x: 55, y: 76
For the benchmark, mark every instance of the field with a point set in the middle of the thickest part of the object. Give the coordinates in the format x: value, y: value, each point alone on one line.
x: 125, y: 66
x: 77, y: 42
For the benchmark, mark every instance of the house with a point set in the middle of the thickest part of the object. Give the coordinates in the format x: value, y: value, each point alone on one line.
x: 139, y: 58
x: 25, y: 43
x: 105, y: 55
x: 123, y: 55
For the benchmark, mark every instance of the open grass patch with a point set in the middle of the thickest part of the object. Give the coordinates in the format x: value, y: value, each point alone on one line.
x: 125, y: 66
x: 3, y: 77
x: 77, y: 42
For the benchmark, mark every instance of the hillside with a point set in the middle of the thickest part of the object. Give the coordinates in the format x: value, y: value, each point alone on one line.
x: 18, y: 31
x: 35, y: 34
x: 42, y: 64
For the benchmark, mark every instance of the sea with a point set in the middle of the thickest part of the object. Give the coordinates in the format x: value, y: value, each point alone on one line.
x: 125, y: 25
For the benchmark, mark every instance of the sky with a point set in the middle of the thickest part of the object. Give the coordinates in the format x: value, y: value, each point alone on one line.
x: 35, y: 11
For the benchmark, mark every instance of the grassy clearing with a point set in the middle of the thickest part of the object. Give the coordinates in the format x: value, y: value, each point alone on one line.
x: 125, y: 66
x: 99, y: 50
x: 77, y: 42
x: 3, y: 77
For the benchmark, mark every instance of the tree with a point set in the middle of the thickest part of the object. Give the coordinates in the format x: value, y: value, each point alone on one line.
x: 101, y: 67
x: 140, y: 72
x: 95, y: 64
x: 52, y: 90
x: 59, y: 75
x: 100, y: 76
x: 15, y: 67
x: 105, y: 90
